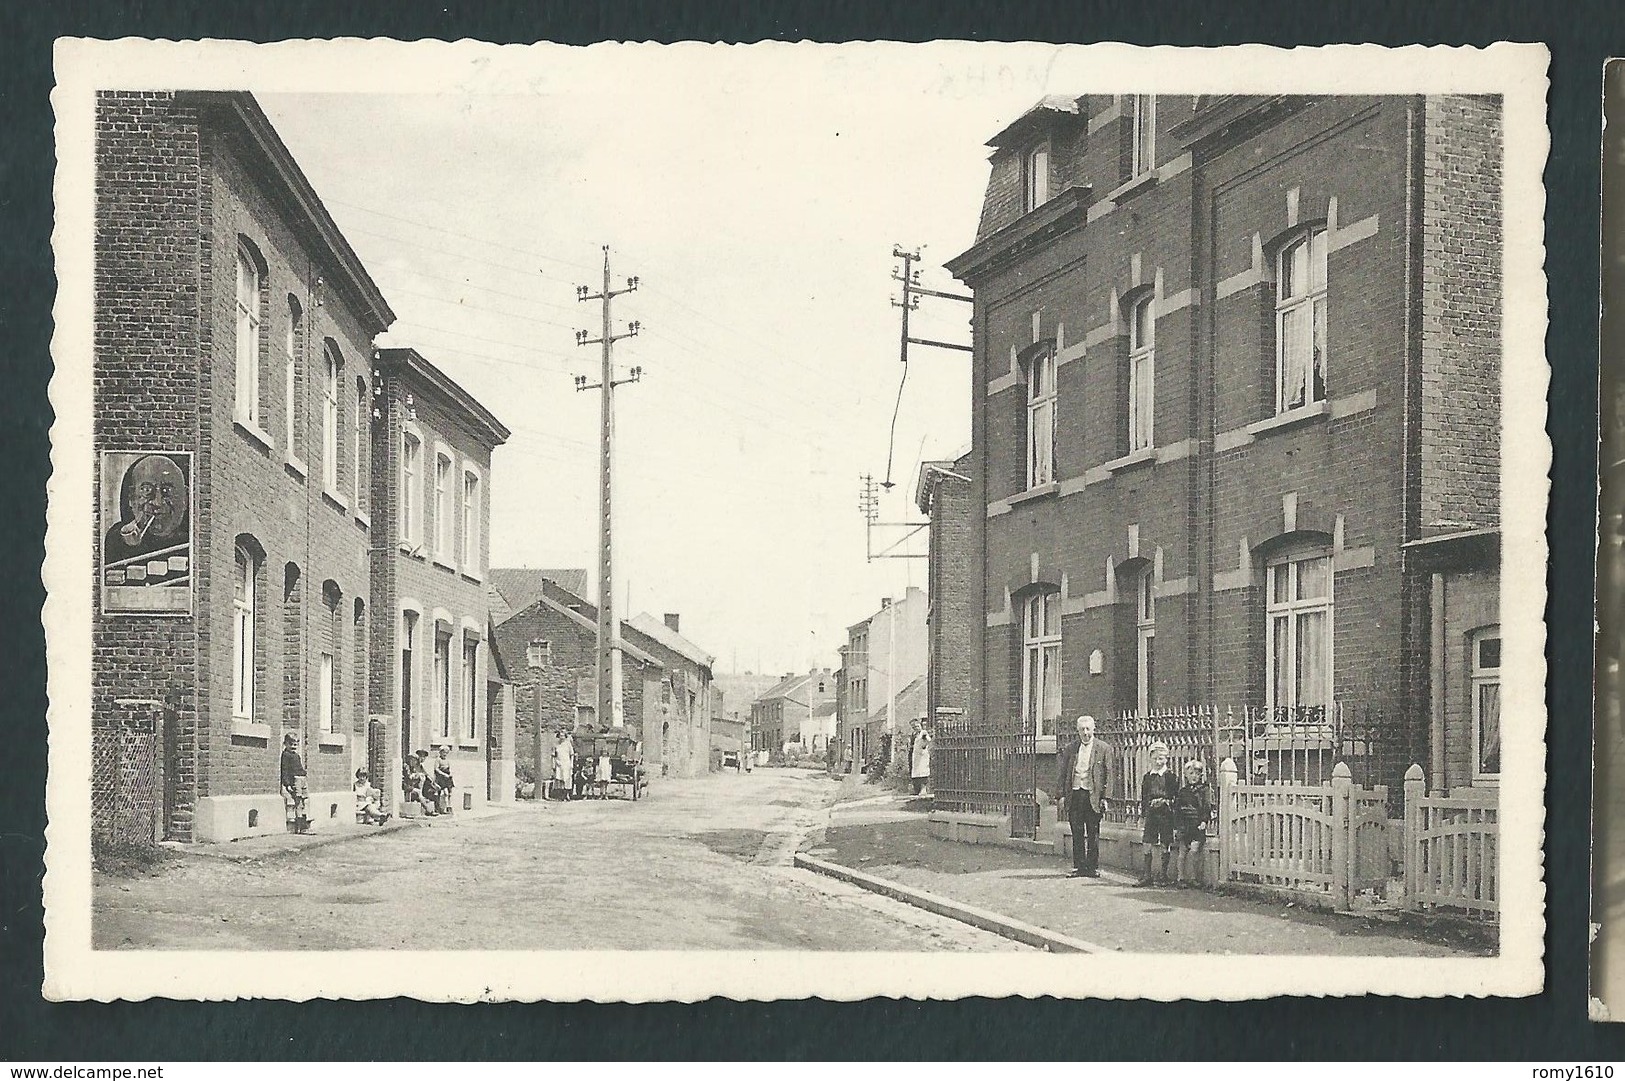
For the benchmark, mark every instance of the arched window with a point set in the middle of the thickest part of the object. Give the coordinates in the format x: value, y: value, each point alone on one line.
x: 1145, y: 134
x: 1145, y: 636
x: 1300, y: 322
x: 1041, y: 402
x: 1035, y: 178
x: 411, y: 488
x: 291, y: 346
x: 471, y: 541
x: 249, y: 317
x: 1041, y: 663
x: 244, y: 647
x: 358, y: 426
x: 1298, y: 613
x: 1142, y: 364
x: 332, y: 369
x: 1485, y: 678
x: 442, y: 506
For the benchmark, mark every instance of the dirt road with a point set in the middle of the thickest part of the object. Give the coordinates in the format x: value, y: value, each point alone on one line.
x: 696, y: 864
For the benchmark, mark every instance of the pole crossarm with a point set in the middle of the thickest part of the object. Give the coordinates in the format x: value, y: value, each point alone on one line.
x: 941, y: 345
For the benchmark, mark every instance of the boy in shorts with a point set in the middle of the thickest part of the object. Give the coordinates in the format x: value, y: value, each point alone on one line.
x: 1157, y: 791
x: 1193, y: 810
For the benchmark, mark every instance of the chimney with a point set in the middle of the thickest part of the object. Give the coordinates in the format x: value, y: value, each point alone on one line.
x: 671, y: 620
x: 885, y: 602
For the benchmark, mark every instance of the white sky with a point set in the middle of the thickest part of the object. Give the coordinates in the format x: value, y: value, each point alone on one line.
x: 758, y: 203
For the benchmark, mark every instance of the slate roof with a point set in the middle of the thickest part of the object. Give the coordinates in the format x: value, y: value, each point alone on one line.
x: 521, y: 586
x: 656, y: 628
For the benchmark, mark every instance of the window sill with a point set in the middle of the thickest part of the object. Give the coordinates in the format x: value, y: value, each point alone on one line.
x: 252, y: 430
x: 1290, y: 419
x: 295, y: 465
x: 1141, y: 457
x: 333, y: 739
x: 473, y: 576
x: 410, y: 549
x: 335, y: 499
x: 1133, y: 187
x: 1031, y: 494
x: 363, y: 521
x: 444, y: 565
x: 241, y: 726
x: 468, y: 745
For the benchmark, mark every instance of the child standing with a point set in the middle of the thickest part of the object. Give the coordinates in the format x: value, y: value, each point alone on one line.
x: 1157, y: 791
x: 1193, y: 810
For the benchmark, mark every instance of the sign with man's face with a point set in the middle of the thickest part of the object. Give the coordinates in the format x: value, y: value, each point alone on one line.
x: 146, y: 523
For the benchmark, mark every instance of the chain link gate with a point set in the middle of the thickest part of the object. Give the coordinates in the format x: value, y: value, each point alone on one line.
x: 127, y: 792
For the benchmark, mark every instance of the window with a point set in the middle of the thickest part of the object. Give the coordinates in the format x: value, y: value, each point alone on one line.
x: 248, y: 337
x: 1145, y: 134
x: 1145, y: 634
x: 442, y: 505
x: 1035, y: 179
x: 333, y: 364
x: 471, y: 695
x: 1041, y: 419
x: 409, y: 632
x: 471, y: 522
x: 290, y: 364
x: 442, y: 684
x: 411, y: 470
x: 243, y: 645
x: 1486, y: 687
x: 539, y: 654
x: 1300, y: 322
x: 1041, y: 668
x: 1142, y: 360
x: 1299, y: 614
x: 359, y: 426
x: 326, y: 690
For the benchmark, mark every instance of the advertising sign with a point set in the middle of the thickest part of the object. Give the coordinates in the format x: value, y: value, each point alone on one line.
x: 146, y: 549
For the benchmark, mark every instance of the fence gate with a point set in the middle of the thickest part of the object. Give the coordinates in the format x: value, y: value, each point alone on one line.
x: 127, y: 790
x: 1452, y: 848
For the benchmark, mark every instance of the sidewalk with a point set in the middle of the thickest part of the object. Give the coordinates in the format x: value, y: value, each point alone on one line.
x: 882, y: 840
x: 269, y: 845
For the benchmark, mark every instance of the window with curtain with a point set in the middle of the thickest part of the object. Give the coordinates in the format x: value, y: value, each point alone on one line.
x: 290, y: 367
x: 1145, y: 134
x: 1486, y: 690
x: 411, y: 471
x: 332, y: 366
x: 1041, y: 667
x: 248, y: 337
x: 1300, y: 322
x: 442, y: 505
x: 471, y: 522
x: 471, y: 694
x: 1142, y: 359
x: 1299, y: 623
x: 1145, y: 633
x: 1041, y: 400
x: 243, y: 646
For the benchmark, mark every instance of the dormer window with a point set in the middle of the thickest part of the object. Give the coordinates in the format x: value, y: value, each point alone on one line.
x: 1035, y: 178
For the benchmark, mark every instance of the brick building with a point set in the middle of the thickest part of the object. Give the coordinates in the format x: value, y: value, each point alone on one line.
x: 547, y: 636
x: 885, y: 654
x: 433, y: 676
x: 1236, y: 418
x: 795, y: 714
x: 944, y: 495
x: 232, y: 386
x: 679, y: 738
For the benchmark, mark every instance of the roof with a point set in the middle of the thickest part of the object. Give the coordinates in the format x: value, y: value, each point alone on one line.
x: 520, y: 586
x: 784, y: 687
x: 497, y: 605
x: 1049, y: 105
x: 587, y: 624
x: 910, y: 702
x: 428, y: 377
x: 927, y: 482
x: 672, y: 640
x: 273, y: 165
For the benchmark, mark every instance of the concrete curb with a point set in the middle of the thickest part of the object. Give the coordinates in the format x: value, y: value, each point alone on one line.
x: 1003, y: 926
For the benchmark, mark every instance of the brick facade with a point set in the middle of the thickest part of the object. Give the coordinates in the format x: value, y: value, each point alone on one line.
x: 945, y: 496
x: 1404, y: 194
x: 184, y: 182
x: 431, y: 607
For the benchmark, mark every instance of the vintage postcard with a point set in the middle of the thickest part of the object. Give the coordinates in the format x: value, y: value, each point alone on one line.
x: 1608, y: 805
x: 646, y: 522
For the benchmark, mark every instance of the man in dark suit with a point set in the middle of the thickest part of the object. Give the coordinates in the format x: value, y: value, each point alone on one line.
x: 1084, y: 778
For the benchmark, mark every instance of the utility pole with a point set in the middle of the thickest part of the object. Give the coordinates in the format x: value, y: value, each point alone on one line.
x: 912, y: 292
x: 609, y: 638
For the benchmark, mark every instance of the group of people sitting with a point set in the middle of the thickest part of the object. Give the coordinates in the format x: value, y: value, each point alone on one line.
x: 428, y: 784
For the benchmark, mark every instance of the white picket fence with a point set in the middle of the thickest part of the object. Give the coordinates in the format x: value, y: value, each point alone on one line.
x: 1325, y: 843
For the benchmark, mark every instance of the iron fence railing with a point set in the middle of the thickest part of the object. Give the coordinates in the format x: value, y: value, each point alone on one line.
x: 973, y: 766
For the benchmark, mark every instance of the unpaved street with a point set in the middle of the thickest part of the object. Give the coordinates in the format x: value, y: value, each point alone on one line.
x: 696, y: 864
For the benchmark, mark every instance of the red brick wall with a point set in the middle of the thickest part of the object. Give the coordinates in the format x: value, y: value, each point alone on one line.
x: 172, y: 201
x: 1461, y: 312
x: 953, y: 569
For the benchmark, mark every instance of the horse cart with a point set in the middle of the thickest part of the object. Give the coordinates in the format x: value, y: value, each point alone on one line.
x: 608, y: 764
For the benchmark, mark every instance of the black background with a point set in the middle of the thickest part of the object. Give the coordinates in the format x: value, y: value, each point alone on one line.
x: 1550, y: 1026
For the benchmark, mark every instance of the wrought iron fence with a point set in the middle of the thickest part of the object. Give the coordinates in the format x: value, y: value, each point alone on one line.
x: 1302, y: 745
x: 973, y: 766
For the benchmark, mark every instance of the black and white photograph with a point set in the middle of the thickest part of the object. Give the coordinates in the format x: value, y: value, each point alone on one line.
x: 640, y: 522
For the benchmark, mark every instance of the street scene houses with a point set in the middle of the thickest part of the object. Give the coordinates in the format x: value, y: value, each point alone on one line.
x: 1230, y: 500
